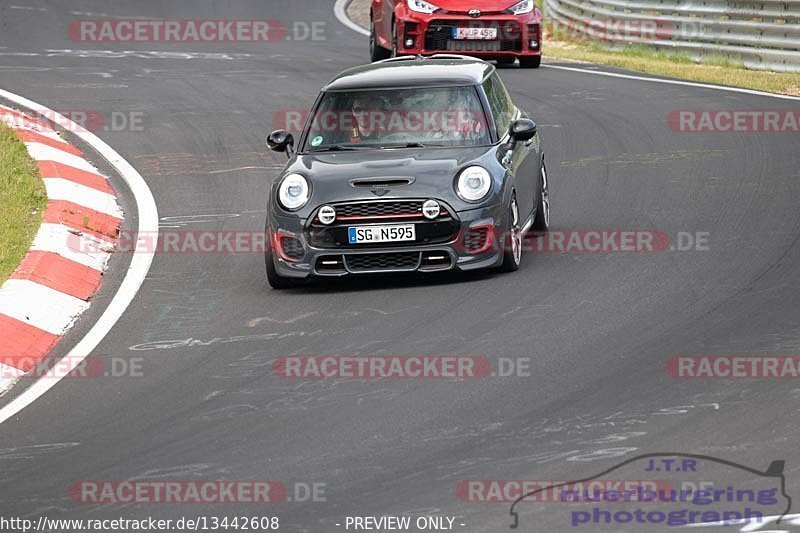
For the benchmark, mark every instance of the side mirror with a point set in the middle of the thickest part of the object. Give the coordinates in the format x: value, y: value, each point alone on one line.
x: 280, y: 141
x: 523, y: 129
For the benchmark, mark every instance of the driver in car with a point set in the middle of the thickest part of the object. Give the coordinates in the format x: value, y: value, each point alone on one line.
x: 365, y: 128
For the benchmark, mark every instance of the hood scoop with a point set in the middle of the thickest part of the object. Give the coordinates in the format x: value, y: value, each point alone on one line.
x: 381, y: 183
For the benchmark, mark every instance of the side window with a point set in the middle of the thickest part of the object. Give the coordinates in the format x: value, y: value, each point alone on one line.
x: 500, y: 103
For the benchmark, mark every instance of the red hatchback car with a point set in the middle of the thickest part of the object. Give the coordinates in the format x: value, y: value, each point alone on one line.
x: 504, y: 30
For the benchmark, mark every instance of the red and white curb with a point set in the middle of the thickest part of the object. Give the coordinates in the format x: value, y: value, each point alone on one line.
x: 54, y: 283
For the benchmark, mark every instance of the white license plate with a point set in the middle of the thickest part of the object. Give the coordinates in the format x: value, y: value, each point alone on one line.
x: 393, y: 233
x: 475, y: 33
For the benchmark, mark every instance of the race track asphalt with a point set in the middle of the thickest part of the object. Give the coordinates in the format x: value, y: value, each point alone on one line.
x: 598, y: 327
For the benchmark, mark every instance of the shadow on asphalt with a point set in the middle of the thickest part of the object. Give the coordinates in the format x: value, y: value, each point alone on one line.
x: 372, y: 282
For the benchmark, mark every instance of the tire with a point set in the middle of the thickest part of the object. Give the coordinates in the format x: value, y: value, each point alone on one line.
x: 376, y: 51
x: 512, y: 239
x: 276, y: 281
x: 530, y: 61
x: 541, y: 222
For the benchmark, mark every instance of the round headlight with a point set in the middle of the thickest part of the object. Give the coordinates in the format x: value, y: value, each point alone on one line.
x: 327, y: 214
x: 473, y: 184
x: 293, y: 192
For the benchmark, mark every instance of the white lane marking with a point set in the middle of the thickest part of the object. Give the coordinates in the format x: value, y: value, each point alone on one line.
x: 120, y: 54
x: 340, y: 10
x: 7, y: 378
x: 40, y: 306
x: 44, y: 152
x: 9, y: 373
x: 84, y: 249
x: 63, y: 189
x: 137, y: 271
x: 6, y: 384
x: 238, y: 169
x: 675, y: 82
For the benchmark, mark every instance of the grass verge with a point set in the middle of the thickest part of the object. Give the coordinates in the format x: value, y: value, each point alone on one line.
x: 649, y: 60
x: 22, y: 201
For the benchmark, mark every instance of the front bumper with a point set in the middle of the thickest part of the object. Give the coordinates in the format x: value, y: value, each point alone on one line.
x: 305, y: 258
x: 432, y: 34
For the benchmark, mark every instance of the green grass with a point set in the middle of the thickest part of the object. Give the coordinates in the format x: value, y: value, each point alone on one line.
x: 22, y: 201
x: 643, y: 58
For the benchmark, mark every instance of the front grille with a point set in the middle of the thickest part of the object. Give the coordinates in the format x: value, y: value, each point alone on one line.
x: 473, y: 46
x: 378, y: 209
x: 382, y: 262
x: 444, y: 228
x: 440, y: 37
x: 466, y: 13
x: 292, y: 247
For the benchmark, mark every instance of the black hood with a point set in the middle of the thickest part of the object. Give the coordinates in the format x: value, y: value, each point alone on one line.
x: 431, y: 172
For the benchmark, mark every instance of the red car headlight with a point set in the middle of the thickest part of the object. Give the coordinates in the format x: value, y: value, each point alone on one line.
x: 421, y: 6
x: 521, y: 8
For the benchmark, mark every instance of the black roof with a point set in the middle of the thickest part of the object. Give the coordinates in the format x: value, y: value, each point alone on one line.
x: 410, y: 71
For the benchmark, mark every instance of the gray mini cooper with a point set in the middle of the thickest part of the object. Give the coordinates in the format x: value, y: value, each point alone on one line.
x: 407, y: 165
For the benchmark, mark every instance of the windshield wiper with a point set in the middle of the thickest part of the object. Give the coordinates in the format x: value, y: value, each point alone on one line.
x: 333, y: 148
x: 409, y: 145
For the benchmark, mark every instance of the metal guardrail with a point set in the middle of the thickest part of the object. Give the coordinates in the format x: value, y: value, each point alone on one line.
x: 761, y: 34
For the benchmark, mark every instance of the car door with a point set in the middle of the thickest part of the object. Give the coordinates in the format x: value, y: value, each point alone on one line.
x: 522, y: 161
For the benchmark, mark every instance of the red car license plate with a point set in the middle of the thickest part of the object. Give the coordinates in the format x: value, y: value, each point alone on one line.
x: 482, y: 34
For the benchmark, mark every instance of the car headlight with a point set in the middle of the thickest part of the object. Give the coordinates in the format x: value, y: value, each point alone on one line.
x: 526, y: 6
x: 421, y: 6
x: 473, y: 184
x: 293, y: 192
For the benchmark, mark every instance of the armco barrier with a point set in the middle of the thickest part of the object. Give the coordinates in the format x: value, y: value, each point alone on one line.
x: 761, y: 34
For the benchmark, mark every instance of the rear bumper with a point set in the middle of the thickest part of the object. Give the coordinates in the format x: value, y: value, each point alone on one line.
x: 431, y: 34
x: 454, y: 254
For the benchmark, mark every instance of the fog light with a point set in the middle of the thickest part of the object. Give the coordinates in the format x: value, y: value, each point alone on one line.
x: 327, y: 214
x: 409, y: 43
x: 534, y: 44
x: 431, y: 209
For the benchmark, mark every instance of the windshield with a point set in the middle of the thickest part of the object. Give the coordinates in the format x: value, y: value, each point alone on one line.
x: 441, y: 116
